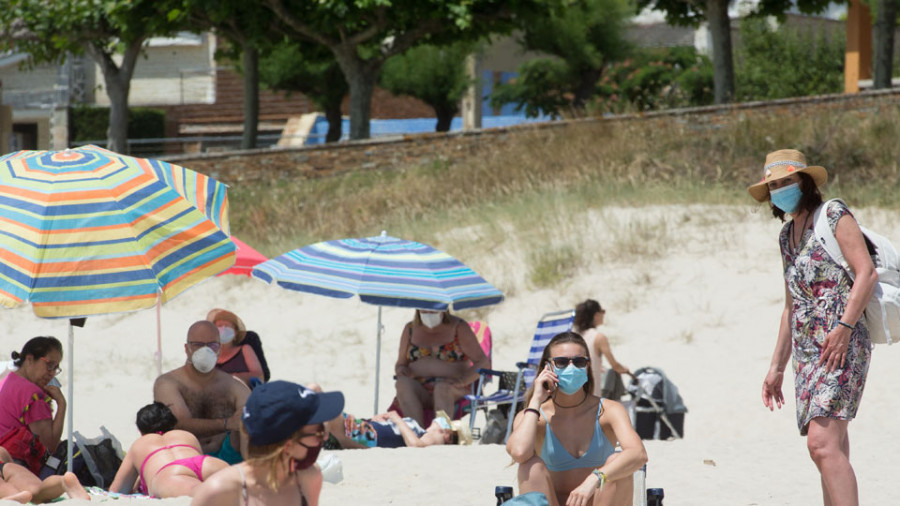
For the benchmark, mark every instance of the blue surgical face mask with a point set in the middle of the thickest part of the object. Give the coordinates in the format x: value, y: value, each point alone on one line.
x: 571, y: 379
x: 787, y: 198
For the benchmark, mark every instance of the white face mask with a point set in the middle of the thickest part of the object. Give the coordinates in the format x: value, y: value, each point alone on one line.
x: 431, y: 320
x: 226, y: 334
x: 204, y: 359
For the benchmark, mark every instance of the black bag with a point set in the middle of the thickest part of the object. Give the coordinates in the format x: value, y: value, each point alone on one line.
x: 252, y: 339
x: 95, y: 461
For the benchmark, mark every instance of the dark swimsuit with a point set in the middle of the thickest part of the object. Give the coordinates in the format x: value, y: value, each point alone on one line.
x: 247, y: 496
x: 235, y: 364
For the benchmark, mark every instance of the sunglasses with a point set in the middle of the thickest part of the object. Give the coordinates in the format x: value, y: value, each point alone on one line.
x: 563, y: 362
x: 196, y: 345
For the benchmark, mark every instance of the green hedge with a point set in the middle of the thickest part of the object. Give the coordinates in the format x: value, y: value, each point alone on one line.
x: 91, y: 123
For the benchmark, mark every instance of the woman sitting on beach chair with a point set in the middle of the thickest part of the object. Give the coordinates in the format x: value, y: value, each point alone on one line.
x: 564, y: 440
x: 390, y: 430
x: 439, y: 358
x: 19, y: 484
x: 163, y: 462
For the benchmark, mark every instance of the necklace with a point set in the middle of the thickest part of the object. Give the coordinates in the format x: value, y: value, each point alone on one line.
x: 574, y: 406
x: 794, y: 239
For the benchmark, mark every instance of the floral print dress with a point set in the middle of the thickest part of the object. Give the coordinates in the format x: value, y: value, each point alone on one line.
x: 820, y: 290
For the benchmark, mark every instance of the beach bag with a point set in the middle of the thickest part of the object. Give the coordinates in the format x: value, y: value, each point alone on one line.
x: 95, y: 460
x: 882, y: 313
x: 25, y: 447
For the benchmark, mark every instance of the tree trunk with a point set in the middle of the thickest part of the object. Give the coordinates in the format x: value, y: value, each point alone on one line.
x: 445, y: 115
x: 335, y: 122
x: 723, y: 64
x: 885, y: 25
x: 585, y: 89
x: 118, y: 86
x: 250, y: 59
x: 361, y: 76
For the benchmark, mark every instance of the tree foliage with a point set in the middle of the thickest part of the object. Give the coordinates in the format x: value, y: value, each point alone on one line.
x: 47, y: 31
x: 247, y: 26
x: 656, y: 78
x: 580, y: 41
x: 435, y: 75
x: 363, y: 34
x: 309, y: 69
x: 815, y: 60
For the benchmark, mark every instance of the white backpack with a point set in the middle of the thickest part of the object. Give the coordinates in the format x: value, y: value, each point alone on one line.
x: 882, y: 313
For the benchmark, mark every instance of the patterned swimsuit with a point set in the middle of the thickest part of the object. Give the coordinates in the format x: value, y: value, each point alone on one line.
x: 820, y: 290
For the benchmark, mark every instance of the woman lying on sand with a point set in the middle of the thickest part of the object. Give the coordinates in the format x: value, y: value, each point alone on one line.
x: 163, y: 462
x: 390, y: 430
x: 19, y: 484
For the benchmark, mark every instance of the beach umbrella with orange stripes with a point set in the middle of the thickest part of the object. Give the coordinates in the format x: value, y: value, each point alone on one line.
x: 88, y: 231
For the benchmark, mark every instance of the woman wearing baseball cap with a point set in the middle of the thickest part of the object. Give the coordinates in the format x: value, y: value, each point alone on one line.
x: 284, y: 425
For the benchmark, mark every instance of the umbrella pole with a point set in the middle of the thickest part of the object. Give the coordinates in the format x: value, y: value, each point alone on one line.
x: 69, y: 399
x: 377, y: 361
x: 158, y: 337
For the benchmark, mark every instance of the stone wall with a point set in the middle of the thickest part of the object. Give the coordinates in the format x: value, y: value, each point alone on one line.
x: 383, y: 153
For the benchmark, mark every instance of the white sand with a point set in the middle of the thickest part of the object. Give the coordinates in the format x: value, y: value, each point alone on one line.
x: 706, y: 314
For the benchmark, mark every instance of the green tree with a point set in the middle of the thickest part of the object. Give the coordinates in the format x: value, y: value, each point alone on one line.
x: 581, y: 41
x: 435, y: 75
x: 47, y: 31
x: 715, y: 13
x: 247, y: 26
x: 363, y: 34
x: 814, y: 57
x: 656, y: 78
x: 309, y: 69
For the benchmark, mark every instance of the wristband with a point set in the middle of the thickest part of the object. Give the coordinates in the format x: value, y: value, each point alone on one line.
x: 845, y: 324
x: 532, y: 410
x: 601, y: 478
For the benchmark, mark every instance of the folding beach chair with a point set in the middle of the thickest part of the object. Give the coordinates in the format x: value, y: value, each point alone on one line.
x: 483, y: 333
x: 510, y: 396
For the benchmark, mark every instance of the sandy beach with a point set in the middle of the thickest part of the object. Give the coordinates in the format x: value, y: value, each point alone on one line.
x: 704, y: 308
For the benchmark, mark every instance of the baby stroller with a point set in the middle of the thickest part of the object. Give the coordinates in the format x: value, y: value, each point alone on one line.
x: 658, y: 411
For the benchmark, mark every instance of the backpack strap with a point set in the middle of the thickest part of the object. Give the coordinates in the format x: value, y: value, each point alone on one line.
x: 826, y: 237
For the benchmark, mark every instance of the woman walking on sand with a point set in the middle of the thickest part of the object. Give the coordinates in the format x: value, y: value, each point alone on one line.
x: 820, y: 325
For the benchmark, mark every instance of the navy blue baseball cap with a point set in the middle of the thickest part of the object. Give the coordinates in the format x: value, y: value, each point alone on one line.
x: 275, y: 411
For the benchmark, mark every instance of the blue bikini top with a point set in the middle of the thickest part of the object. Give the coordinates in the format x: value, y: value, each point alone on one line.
x: 557, y: 458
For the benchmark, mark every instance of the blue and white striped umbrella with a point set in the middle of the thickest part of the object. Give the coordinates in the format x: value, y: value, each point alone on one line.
x: 381, y: 270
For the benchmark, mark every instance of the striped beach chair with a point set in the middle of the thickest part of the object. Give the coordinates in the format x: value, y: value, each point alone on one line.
x: 548, y: 326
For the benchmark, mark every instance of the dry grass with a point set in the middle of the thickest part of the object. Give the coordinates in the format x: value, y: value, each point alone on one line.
x: 535, y: 189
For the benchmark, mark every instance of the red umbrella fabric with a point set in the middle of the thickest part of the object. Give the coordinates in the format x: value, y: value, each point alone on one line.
x: 245, y: 259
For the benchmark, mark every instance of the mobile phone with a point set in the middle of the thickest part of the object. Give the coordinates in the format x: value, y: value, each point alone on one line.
x: 54, y: 383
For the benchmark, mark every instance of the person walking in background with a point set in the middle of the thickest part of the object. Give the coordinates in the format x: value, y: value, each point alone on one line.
x: 821, y: 326
x: 565, y: 439
x: 284, y: 425
x: 588, y: 316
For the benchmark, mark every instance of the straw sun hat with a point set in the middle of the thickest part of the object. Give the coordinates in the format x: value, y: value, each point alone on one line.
x: 221, y: 314
x: 461, y: 429
x: 781, y: 164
